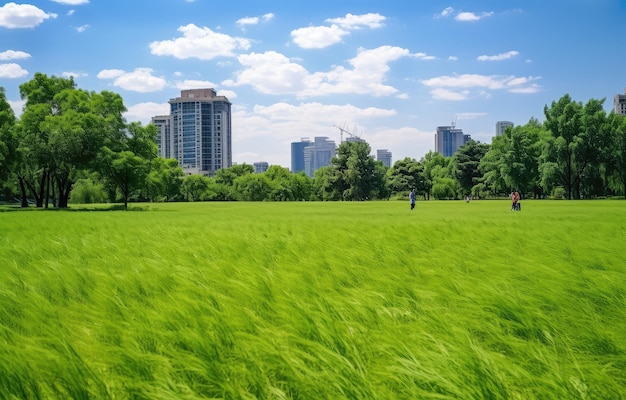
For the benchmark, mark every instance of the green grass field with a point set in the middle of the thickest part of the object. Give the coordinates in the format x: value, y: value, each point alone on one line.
x: 315, y: 301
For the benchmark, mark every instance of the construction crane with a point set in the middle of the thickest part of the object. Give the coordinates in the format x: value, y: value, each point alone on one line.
x: 454, y: 122
x: 347, y: 132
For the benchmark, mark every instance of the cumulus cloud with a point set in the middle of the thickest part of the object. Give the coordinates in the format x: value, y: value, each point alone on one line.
x: 456, y: 87
x: 499, y: 57
x: 14, y: 16
x: 143, y: 112
x: 82, y: 28
x: 319, y: 37
x: 274, y: 73
x: 140, y: 80
x: 471, y: 17
x: 70, y: 74
x: 194, y: 84
x: 12, y: 70
x: 445, y: 13
x: 201, y: 43
x: 13, y: 55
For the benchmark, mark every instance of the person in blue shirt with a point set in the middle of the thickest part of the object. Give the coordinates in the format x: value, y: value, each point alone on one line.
x: 412, y: 198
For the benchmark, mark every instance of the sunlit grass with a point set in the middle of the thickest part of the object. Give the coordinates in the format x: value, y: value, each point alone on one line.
x: 315, y: 301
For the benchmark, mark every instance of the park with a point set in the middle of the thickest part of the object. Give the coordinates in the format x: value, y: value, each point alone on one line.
x: 325, y: 300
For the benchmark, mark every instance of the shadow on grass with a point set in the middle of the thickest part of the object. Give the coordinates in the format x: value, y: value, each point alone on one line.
x: 114, y: 207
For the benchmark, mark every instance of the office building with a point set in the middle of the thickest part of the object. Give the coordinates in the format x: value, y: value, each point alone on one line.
x: 501, y: 127
x: 260, y: 167
x: 297, y: 154
x: 384, y: 156
x: 449, y: 139
x: 198, y: 132
x: 318, y: 154
x: 619, y: 103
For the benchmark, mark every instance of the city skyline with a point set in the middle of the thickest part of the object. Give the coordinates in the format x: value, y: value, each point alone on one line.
x: 296, y: 70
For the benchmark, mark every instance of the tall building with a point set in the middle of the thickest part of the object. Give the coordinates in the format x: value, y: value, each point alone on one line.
x: 297, y: 154
x: 619, y: 103
x: 318, y: 154
x: 198, y: 132
x: 165, y: 139
x: 449, y: 139
x: 384, y: 155
x: 501, y: 127
x: 260, y: 167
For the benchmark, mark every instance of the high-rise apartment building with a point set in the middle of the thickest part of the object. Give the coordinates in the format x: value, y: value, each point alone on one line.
x: 619, y: 103
x: 318, y: 154
x: 260, y: 167
x: 384, y: 156
x: 297, y: 154
x: 501, y: 127
x: 198, y: 131
x: 449, y: 139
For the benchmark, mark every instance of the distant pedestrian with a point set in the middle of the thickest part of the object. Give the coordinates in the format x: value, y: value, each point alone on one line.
x: 412, y: 198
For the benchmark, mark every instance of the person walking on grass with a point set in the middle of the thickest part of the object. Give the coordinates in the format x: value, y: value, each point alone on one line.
x: 412, y: 198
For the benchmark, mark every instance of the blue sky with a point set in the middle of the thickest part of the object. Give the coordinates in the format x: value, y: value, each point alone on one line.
x: 388, y: 71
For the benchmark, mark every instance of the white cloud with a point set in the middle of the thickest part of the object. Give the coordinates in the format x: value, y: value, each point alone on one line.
x: 423, y: 56
x: 13, y: 55
x: 352, y: 22
x: 201, y: 43
x: 471, y: 17
x: 194, y: 84
x: 143, y: 112
x: 12, y: 70
x: 72, y: 2
x: 499, y: 57
x: 448, y: 87
x: 453, y: 58
x: 22, y: 16
x: 229, y: 94
x: 140, y: 80
x: 273, y: 73
x: 73, y: 74
x: 71, y: 12
x: 267, y: 17
x: 445, y: 13
x: 82, y: 28
x: 247, y: 21
x: 319, y: 37
x: 446, y: 94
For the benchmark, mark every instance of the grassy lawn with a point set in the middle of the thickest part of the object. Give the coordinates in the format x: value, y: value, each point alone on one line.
x: 315, y: 301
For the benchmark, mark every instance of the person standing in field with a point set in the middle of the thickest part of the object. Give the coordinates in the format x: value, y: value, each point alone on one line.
x: 412, y: 198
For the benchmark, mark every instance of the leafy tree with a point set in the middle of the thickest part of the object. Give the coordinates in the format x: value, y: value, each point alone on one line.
x: 575, y: 143
x: 194, y: 187
x: 616, y: 151
x: 252, y: 187
x: 464, y: 165
x: 126, y: 170
x: 165, y: 179
x: 227, y: 176
x: 354, y: 173
x: 407, y: 174
x: 432, y: 162
x: 7, y: 137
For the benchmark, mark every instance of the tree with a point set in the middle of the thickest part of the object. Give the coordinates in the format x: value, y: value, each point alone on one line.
x: 616, y: 151
x: 464, y: 165
x: 252, y: 187
x: 354, y: 174
x: 8, y: 144
x: 165, y: 179
x: 407, y: 174
x: 227, y: 176
x: 194, y: 187
x: 431, y: 162
x: 126, y: 170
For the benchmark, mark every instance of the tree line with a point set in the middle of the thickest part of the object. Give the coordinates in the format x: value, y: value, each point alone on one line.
x: 74, y: 146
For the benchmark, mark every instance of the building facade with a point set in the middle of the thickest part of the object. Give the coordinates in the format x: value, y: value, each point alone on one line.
x: 449, y: 139
x: 198, y: 132
x: 619, y: 103
x: 318, y: 154
x: 384, y: 156
x: 501, y: 127
x: 297, y: 154
x: 260, y: 167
